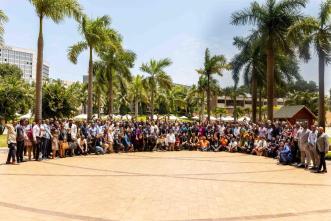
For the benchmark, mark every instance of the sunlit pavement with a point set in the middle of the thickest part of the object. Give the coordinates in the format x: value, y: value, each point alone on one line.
x: 162, y: 186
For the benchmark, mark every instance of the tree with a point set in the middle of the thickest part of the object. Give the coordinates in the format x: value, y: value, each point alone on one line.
x: 56, y: 11
x: 97, y: 35
x: 273, y: 20
x: 250, y: 59
x: 212, y: 65
x: 316, y: 32
x: 309, y: 99
x: 137, y: 92
x: 59, y: 101
x: 202, y: 89
x: 302, y: 85
x: 157, y: 77
x: 15, y: 96
x: 115, y: 65
x: 3, y: 19
x: 233, y: 93
x: 10, y: 70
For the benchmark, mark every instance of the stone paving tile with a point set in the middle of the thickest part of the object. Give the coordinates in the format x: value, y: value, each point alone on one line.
x: 162, y: 186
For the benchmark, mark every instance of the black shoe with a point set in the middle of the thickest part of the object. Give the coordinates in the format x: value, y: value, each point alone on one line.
x: 317, y: 171
x: 324, y: 171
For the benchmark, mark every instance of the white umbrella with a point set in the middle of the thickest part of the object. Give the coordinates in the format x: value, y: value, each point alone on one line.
x: 213, y: 118
x: 80, y: 117
x: 228, y: 118
x: 128, y: 117
x: 172, y: 117
x: 183, y: 117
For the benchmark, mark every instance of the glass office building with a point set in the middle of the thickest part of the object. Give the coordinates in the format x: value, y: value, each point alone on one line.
x: 25, y: 59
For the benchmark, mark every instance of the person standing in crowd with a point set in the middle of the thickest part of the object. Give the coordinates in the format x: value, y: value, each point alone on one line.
x: 171, y: 140
x: 36, y: 132
x: 312, y: 138
x: 304, y: 148
x: 28, y: 140
x: 322, y: 148
x: 11, y: 140
x: 20, y: 141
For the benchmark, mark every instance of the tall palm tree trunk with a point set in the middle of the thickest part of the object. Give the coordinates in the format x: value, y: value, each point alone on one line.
x: 39, y: 82
x: 99, y: 106
x: 202, y: 110
x: 136, y: 107
x: 254, y: 95
x: 321, y: 102
x: 90, y: 87
x: 111, y: 104
x: 270, y: 81
x: 152, y: 104
x: 208, y: 97
x: 260, y: 106
x: 235, y: 106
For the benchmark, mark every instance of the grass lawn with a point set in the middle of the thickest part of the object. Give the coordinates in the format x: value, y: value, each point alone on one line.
x: 3, y: 140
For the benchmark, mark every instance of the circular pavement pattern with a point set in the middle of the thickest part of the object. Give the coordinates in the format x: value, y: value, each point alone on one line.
x: 162, y: 186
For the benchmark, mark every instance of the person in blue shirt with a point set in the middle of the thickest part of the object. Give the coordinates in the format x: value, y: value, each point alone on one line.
x: 285, y: 155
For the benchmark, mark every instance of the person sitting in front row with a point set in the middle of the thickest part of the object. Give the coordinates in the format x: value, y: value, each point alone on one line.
x: 203, y: 144
x: 285, y: 155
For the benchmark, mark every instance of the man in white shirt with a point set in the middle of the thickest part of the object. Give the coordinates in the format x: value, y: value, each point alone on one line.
x: 171, y: 139
x: 312, y: 138
x: 36, y: 134
x: 303, y: 146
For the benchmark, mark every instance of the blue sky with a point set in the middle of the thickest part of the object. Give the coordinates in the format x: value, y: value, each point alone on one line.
x: 178, y: 29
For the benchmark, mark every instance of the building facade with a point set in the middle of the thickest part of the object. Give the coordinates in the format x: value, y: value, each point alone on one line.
x: 25, y: 59
x: 227, y: 102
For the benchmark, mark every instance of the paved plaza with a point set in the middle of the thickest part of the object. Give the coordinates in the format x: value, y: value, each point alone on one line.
x: 162, y: 186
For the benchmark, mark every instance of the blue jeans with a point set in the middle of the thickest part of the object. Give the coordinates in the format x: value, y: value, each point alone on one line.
x: 99, y: 150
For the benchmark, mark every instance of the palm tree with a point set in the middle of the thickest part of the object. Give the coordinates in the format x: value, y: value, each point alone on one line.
x: 56, y: 11
x: 234, y: 92
x: 316, y: 32
x: 97, y: 34
x: 157, y: 77
x: 272, y: 20
x: 3, y: 19
x: 212, y: 65
x: 252, y: 60
x: 202, y: 90
x: 137, y: 92
x: 115, y: 65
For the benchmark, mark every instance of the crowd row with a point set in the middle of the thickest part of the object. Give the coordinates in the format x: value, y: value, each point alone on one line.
x: 290, y: 144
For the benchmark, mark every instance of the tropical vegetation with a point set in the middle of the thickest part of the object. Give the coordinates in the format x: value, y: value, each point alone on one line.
x: 266, y: 63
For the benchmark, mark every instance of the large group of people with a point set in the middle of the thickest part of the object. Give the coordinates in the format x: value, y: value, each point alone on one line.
x: 48, y: 139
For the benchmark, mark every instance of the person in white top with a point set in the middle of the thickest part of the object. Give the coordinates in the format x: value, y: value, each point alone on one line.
x: 312, y: 138
x: 304, y: 148
x: 72, y: 130
x: 36, y: 133
x: 171, y: 140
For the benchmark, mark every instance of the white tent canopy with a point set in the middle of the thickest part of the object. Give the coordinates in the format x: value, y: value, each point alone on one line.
x: 83, y: 117
x: 227, y: 118
x: 26, y: 116
x: 172, y: 117
x: 213, y: 118
x: 247, y: 119
x: 128, y: 117
x: 183, y: 117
